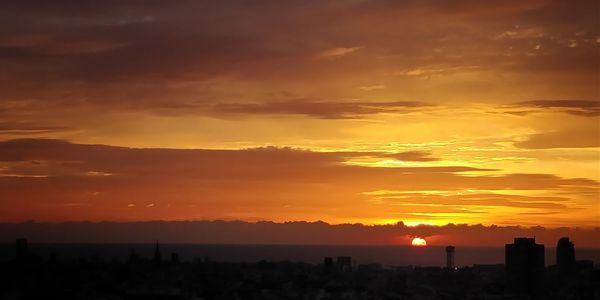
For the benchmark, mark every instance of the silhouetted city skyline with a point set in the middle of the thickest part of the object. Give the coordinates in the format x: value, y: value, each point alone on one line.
x: 154, y: 278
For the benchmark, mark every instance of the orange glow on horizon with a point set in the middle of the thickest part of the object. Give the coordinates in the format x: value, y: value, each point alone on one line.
x: 357, y: 123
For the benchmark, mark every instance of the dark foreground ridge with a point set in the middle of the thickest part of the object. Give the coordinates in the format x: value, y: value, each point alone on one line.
x: 164, y: 276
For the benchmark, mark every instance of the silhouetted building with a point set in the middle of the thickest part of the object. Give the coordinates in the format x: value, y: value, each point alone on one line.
x: 565, y: 256
x: 21, y: 250
x: 157, y: 257
x: 450, y: 257
x: 175, y: 257
x: 52, y: 258
x: 525, y: 265
x: 133, y: 257
x: 82, y: 278
x: 328, y: 263
x: 344, y: 262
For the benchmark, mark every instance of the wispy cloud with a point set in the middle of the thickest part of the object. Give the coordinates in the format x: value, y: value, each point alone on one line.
x: 258, y: 182
x: 340, y: 51
x: 585, y: 108
x: 319, y: 109
x: 587, y: 138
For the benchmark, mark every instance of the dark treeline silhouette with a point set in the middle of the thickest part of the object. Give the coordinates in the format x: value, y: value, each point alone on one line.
x: 164, y: 276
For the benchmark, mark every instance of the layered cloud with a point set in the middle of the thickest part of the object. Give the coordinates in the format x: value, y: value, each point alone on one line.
x: 587, y: 138
x: 53, y: 179
x: 186, y: 51
x: 423, y: 111
x: 319, y: 109
x: 586, y: 108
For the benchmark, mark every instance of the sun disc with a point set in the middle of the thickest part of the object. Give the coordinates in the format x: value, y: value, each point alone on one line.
x: 419, y: 242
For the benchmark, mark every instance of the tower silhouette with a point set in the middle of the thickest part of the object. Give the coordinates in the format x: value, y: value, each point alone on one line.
x: 157, y: 257
x: 450, y: 257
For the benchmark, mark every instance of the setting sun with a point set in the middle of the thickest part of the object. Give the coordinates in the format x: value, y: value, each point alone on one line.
x: 419, y: 242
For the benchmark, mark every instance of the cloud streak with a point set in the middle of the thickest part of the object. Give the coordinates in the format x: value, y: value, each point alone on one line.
x: 320, y: 109
x: 589, y: 138
x: 585, y: 108
x: 258, y: 182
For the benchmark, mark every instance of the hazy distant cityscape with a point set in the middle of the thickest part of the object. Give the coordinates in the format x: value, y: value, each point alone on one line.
x: 159, y: 273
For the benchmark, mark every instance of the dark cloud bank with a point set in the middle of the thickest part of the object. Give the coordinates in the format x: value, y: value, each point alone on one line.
x: 70, y: 53
x: 305, y: 233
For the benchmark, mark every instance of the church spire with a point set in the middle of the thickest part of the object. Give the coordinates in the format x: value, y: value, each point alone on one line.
x: 157, y: 257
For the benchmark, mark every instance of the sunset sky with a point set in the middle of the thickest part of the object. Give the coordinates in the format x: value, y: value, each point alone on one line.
x: 355, y: 111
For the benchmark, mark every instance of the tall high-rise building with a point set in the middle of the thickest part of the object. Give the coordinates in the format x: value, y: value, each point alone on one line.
x: 450, y: 257
x: 525, y: 265
x: 565, y: 255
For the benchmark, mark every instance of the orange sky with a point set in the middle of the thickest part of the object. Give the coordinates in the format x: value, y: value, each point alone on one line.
x: 375, y: 112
